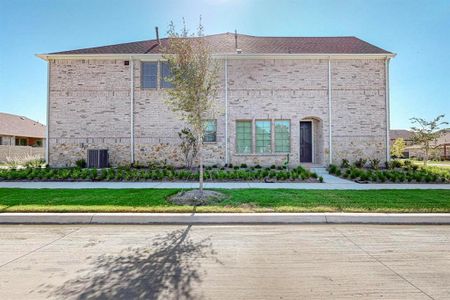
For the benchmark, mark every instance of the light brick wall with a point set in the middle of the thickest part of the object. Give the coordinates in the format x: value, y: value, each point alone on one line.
x: 90, y: 108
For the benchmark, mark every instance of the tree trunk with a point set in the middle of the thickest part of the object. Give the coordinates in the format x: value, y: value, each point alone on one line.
x: 425, y: 159
x: 200, y: 159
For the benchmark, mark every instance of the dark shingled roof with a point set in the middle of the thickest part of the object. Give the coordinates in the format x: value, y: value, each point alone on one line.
x: 225, y: 43
x: 400, y: 133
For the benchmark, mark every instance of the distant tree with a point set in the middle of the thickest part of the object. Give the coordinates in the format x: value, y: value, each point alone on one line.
x: 398, y: 148
x: 194, y: 79
x: 427, y: 132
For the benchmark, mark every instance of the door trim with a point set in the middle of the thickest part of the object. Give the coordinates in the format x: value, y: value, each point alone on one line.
x: 313, y: 152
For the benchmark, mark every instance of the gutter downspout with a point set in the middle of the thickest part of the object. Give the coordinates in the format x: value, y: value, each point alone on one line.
x: 47, y: 132
x: 388, y: 123
x: 226, y: 109
x: 132, y: 109
x: 330, y: 145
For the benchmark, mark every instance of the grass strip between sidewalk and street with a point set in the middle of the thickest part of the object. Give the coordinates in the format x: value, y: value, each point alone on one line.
x: 238, y: 200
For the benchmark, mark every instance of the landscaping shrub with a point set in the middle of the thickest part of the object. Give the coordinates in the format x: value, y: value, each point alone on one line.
x: 374, y: 164
x: 360, y: 163
x: 127, y: 173
x: 345, y: 163
x: 332, y: 169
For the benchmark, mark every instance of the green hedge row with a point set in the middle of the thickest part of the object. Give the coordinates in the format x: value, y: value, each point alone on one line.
x: 160, y: 174
x: 402, y: 174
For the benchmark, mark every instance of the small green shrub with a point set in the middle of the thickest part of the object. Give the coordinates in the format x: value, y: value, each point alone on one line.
x: 374, y: 164
x: 80, y: 163
x: 345, y: 163
x: 332, y: 169
x: 360, y: 163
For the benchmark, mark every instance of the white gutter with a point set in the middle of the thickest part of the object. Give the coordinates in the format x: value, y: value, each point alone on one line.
x: 330, y: 145
x: 226, y: 109
x: 47, y: 132
x: 132, y: 109
x: 153, y: 56
x: 388, y: 123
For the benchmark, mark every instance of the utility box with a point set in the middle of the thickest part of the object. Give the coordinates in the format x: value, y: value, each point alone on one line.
x: 97, y: 158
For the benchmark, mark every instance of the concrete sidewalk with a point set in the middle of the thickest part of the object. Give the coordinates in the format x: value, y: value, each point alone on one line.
x: 347, y: 185
x: 224, y: 218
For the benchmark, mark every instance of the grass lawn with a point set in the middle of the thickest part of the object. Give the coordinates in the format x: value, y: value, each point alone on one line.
x: 431, y: 163
x: 239, y: 200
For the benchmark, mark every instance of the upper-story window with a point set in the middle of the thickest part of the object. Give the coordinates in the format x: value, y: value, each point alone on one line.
x: 165, y: 72
x: 149, y: 75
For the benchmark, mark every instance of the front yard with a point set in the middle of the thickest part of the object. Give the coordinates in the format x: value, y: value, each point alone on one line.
x: 239, y: 200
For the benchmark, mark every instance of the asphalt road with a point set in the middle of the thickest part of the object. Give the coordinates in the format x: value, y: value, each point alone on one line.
x: 224, y: 262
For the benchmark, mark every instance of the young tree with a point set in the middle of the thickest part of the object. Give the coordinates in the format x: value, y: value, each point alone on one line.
x: 427, y: 132
x: 398, y: 148
x: 194, y: 81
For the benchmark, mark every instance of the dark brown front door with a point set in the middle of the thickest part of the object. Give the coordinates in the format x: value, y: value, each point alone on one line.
x: 306, y: 142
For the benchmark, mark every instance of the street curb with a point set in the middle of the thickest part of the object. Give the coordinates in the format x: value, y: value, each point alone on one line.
x: 224, y: 218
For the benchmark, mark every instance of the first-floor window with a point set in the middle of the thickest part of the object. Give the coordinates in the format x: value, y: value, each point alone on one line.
x: 282, y: 136
x: 243, y: 136
x: 21, y: 142
x: 210, y: 131
x: 263, y: 136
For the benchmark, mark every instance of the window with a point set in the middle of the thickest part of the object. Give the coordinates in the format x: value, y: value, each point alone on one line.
x: 263, y: 136
x: 210, y: 131
x: 282, y: 136
x: 165, y: 72
x: 38, y: 143
x: 243, y: 136
x: 21, y: 142
x: 149, y: 75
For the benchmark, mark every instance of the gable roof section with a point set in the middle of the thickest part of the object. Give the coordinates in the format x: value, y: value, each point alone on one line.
x: 14, y: 125
x: 225, y: 43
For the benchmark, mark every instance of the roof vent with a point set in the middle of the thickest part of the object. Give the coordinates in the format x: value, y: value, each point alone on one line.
x: 238, y: 51
x: 157, y: 35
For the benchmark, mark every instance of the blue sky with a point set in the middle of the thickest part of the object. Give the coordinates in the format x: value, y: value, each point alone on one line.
x: 418, y: 31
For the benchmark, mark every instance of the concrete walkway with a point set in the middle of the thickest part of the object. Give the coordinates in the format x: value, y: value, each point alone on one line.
x: 224, y: 262
x: 224, y: 218
x: 347, y: 185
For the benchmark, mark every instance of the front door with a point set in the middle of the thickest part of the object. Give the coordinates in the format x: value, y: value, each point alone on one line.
x: 306, y: 141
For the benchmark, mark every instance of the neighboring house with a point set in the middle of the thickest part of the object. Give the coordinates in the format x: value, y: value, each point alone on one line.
x: 404, y: 134
x: 21, y: 131
x: 316, y: 99
x: 441, y: 147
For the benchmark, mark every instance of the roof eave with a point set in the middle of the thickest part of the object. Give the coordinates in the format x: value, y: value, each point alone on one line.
x: 47, y: 57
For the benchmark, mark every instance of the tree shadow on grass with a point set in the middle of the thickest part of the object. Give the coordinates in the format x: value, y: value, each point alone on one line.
x: 166, y: 270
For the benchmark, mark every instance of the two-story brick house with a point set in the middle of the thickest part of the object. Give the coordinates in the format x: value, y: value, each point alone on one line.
x: 316, y: 99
